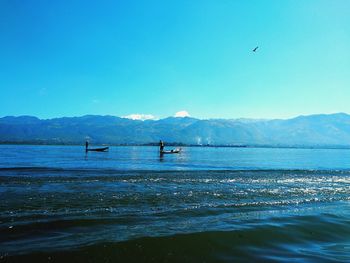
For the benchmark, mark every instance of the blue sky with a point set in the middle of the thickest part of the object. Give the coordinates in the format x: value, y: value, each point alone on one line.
x: 71, y: 58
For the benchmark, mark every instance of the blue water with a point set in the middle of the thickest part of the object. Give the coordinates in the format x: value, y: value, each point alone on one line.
x: 205, y: 204
x: 191, y: 158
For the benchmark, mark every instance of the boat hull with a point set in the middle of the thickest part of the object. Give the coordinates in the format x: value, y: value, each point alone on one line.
x: 170, y: 152
x: 104, y: 149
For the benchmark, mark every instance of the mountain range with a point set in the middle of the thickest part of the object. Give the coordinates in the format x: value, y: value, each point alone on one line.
x: 303, y: 131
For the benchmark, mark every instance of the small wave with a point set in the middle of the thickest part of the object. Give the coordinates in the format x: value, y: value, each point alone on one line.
x: 158, y: 171
x: 322, y: 238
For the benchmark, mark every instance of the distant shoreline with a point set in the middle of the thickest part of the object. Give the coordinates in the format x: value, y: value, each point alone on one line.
x: 187, y: 145
x: 314, y: 131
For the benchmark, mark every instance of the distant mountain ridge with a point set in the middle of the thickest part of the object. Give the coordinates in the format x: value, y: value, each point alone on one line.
x: 312, y: 130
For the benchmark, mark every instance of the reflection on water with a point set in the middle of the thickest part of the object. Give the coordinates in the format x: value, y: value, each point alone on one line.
x: 204, y: 204
x: 190, y: 158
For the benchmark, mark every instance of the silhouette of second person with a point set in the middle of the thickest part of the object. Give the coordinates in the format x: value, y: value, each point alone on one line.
x: 161, y: 146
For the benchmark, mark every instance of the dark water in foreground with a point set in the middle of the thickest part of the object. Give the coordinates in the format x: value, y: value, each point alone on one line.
x: 204, y: 205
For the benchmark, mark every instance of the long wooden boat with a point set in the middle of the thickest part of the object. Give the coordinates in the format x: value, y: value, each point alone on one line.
x: 103, y: 149
x: 171, y: 151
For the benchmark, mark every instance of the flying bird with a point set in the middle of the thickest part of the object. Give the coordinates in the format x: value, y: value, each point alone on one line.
x: 254, y: 50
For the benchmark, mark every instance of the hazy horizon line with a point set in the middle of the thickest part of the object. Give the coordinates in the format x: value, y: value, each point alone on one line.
x: 161, y: 118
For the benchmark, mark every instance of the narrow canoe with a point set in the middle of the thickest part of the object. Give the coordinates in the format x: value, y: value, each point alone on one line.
x: 170, y: 152
x: 98, y: 149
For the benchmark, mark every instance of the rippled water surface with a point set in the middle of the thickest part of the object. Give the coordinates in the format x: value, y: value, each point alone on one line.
x: 202, y: 205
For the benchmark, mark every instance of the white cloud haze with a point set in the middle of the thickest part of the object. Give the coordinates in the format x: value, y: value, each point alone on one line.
x: 141, y: 117
x: 182, y: 114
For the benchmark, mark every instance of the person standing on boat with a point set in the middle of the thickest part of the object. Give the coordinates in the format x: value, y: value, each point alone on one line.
x: 86, y: 145
x: 161, y: 146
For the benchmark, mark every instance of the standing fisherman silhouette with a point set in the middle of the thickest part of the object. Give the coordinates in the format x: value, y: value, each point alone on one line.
x: 86, y: 146
x: 161, y: 146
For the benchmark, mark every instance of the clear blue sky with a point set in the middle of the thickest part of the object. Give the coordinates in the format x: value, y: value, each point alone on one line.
x: 71, y: 58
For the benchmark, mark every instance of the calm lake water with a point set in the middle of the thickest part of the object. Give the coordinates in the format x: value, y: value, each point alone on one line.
x: 202, y: 205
